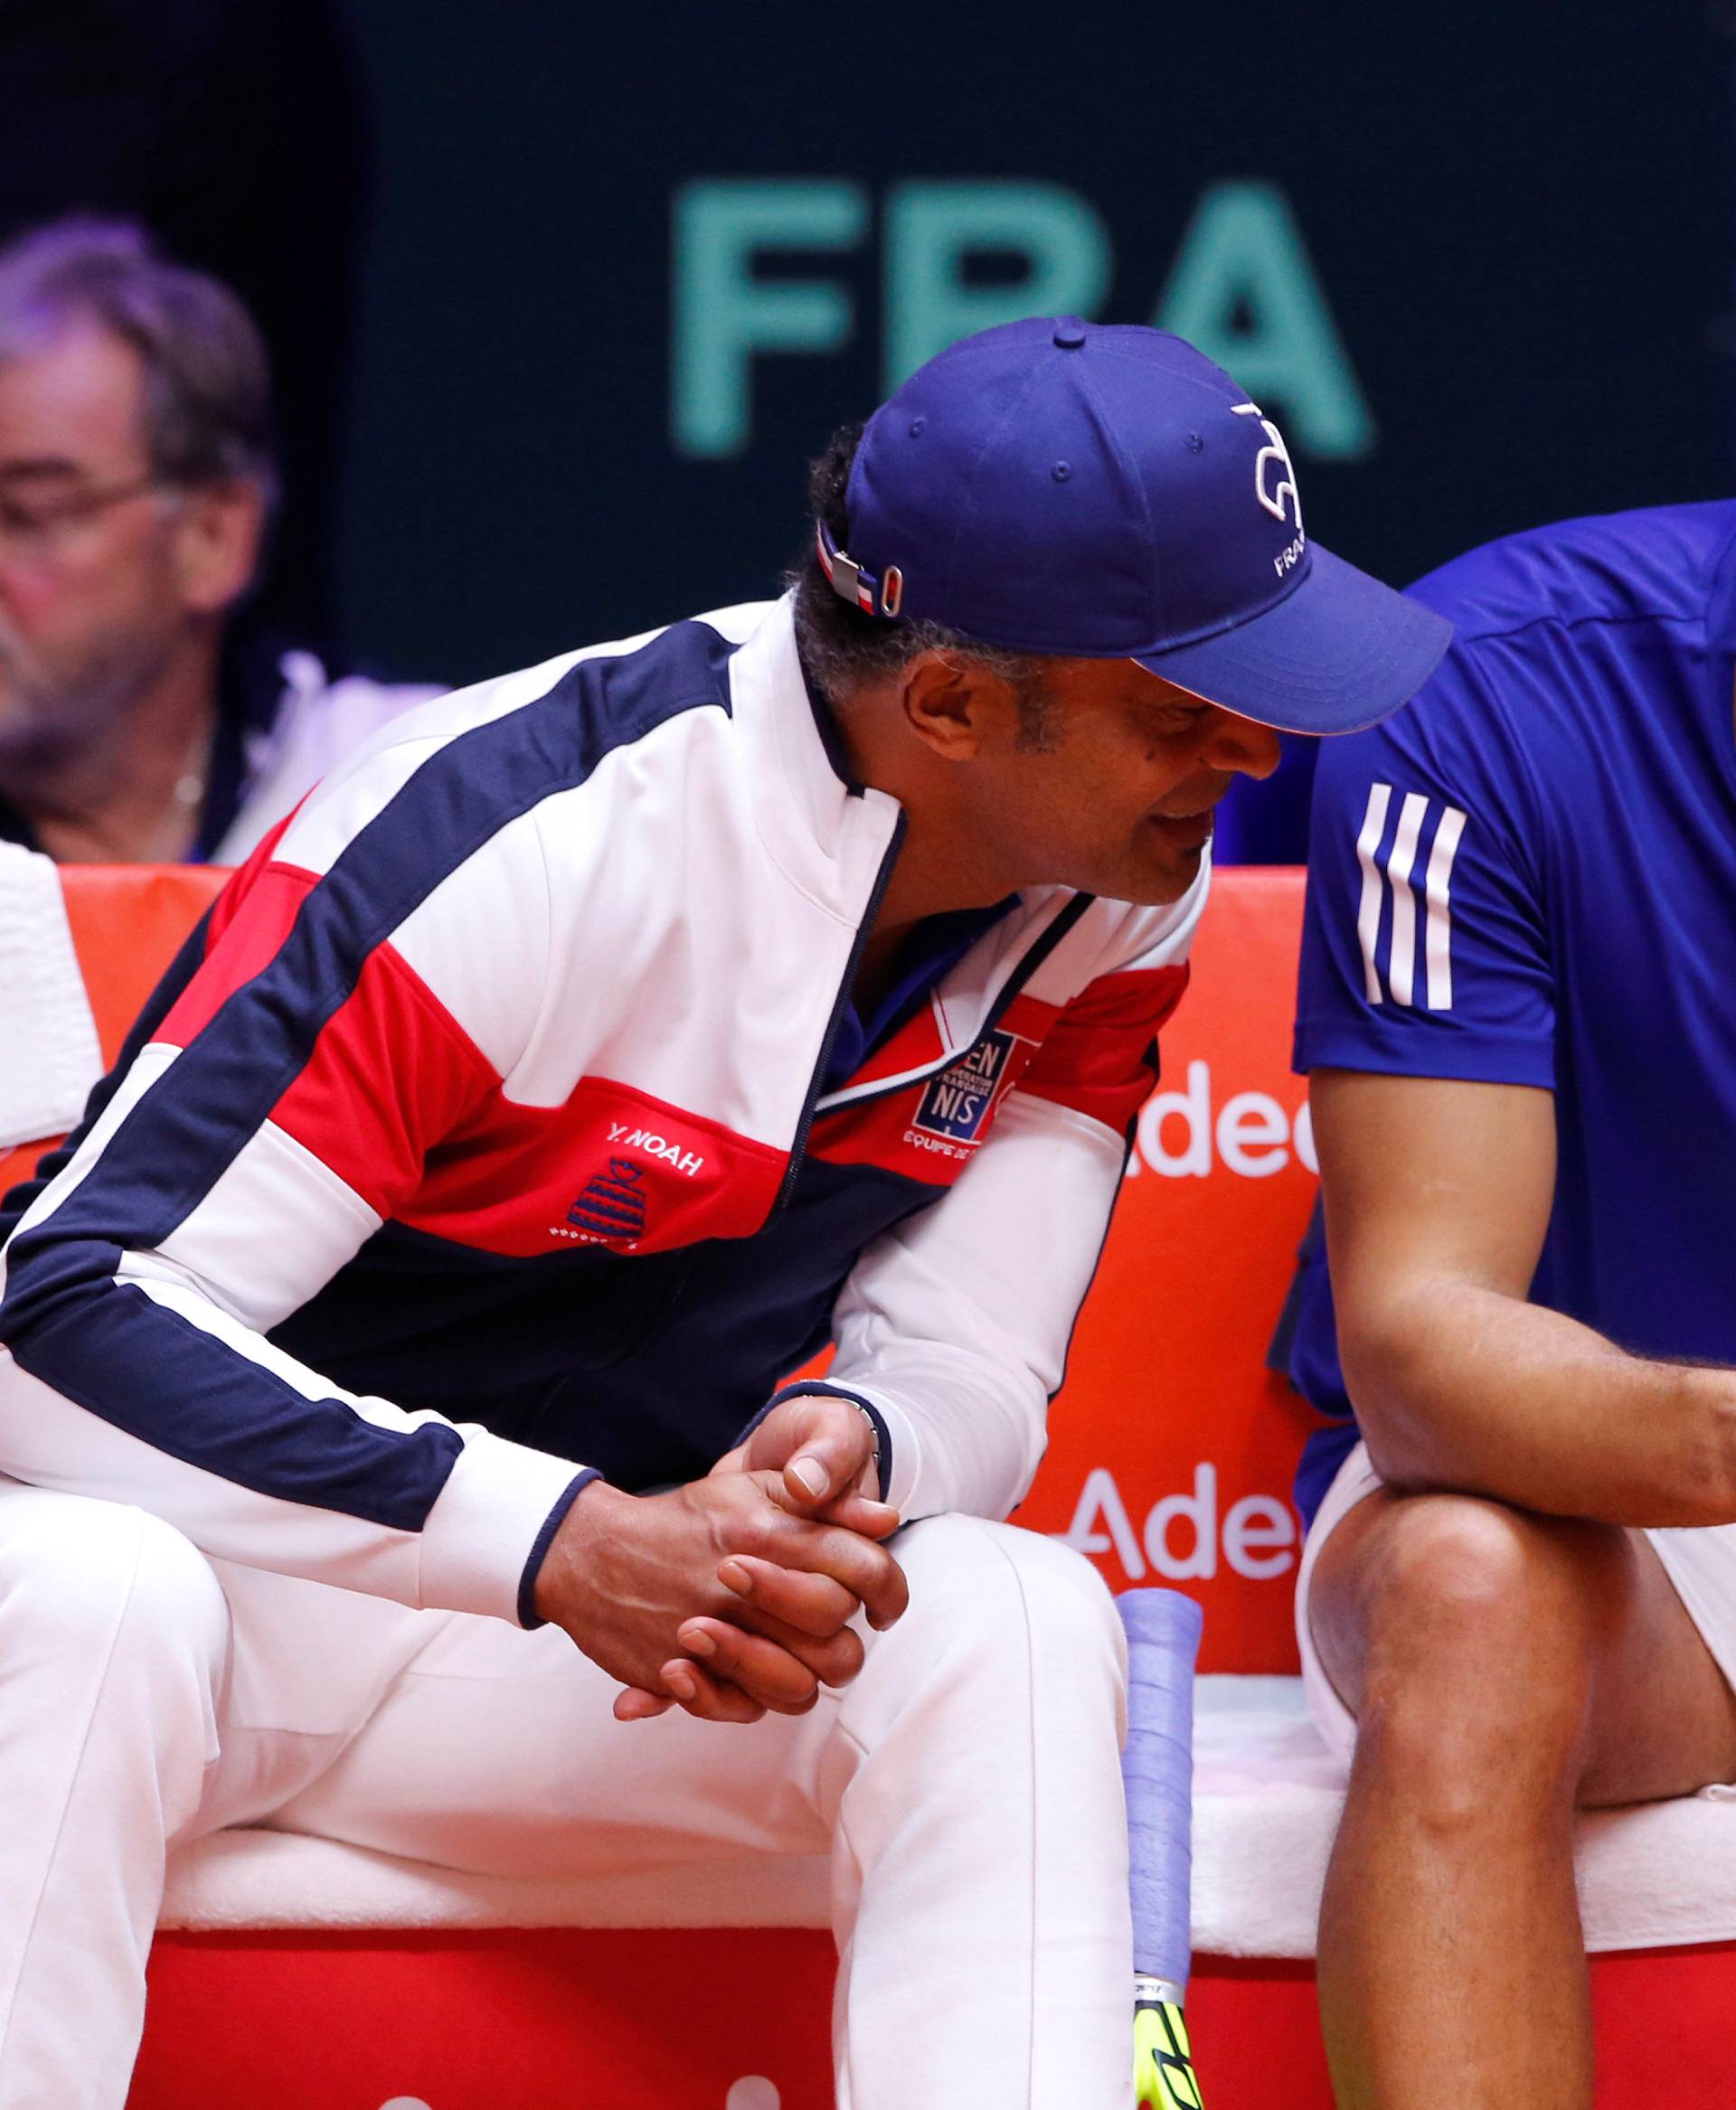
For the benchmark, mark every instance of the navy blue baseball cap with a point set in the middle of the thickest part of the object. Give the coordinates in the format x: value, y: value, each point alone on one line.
x: 1102, y: 491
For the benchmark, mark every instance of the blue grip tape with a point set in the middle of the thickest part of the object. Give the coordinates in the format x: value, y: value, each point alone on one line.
x: 1157, y: 1766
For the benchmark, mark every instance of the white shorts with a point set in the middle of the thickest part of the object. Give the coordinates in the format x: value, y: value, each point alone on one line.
x: 1701, y: 1563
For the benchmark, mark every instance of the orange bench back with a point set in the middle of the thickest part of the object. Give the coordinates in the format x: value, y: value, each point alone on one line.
x: 1172, y: 1448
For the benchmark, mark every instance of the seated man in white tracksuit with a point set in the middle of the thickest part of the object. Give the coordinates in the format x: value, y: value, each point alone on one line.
x: 581, y: 1056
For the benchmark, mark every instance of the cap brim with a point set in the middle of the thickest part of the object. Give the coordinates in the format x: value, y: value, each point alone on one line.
x: 1338, y: 654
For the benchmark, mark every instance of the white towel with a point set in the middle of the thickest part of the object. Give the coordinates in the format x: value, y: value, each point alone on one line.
x: 275, y: 1878
x: 1267, y: 1799
x: 49, y: 1053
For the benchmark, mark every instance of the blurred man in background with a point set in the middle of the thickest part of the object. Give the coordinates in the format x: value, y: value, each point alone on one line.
x: 239, y: 132
x: 137, y: 482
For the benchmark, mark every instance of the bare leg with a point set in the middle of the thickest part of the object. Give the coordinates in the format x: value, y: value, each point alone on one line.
x: 1504, y: 1669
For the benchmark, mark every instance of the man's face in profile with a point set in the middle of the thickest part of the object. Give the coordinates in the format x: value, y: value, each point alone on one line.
x: 90, y: 606
x: 1117, y: 797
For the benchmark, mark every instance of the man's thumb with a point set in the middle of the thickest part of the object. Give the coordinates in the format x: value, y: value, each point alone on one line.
x: 834, y: 1441
x: 809, y: 1475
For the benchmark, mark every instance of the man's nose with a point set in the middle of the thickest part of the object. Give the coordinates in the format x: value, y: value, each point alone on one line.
x: 1239, y: 744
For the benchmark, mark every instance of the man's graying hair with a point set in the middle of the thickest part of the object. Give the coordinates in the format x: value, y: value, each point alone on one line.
x: 207, y: 384
x: 841, y: 648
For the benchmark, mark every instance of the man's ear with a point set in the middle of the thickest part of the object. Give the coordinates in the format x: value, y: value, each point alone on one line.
x: 217, y: 543
x: 950, y: 705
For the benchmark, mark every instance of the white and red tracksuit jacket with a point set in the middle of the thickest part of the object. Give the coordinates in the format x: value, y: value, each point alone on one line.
x: 478, y: 1135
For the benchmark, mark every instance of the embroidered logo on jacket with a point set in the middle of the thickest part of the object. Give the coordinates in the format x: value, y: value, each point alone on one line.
x: 955, y: 1106
x: 684, y: 1161
x: 612, y: 1204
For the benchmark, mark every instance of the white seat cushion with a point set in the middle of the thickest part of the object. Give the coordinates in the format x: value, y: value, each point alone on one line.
x: 1266, y: 1795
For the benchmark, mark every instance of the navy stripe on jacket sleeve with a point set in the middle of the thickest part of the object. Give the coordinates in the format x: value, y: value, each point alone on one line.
x: 154, y: 1374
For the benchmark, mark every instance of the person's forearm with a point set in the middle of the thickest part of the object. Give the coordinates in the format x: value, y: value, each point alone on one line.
x: 1464, y: 1388
x: 955, y: 1325
x: 130, y: 1384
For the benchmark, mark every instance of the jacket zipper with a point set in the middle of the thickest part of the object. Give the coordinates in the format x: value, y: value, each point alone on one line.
x: 816, y: 1083
x: 1032, y: 959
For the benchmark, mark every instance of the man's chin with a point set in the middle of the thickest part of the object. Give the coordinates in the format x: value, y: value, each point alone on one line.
x: 1152, y: 885
x: 39, y: 736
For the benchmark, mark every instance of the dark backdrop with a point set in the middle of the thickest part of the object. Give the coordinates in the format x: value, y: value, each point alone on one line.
x: 1476, y: 258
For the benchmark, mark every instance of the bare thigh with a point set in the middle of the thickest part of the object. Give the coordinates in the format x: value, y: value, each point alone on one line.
x: 1558, y: 1597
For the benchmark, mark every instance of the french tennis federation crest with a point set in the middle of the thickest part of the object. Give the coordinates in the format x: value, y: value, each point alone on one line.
x: 955, y: 1105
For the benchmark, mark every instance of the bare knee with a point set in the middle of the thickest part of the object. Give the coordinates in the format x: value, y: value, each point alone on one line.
x: 1460, y: 1633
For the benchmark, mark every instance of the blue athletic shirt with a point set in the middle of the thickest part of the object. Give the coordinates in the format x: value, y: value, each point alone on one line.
x: 1528, y: 876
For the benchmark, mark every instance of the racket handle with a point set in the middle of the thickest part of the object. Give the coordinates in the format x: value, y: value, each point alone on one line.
x: 1158, y: 1768
x: 1163, y: 1641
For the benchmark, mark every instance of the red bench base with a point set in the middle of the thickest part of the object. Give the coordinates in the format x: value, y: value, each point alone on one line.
x: 1663, y: 2021
x: 594, y: 2019
x: 556, y: 2019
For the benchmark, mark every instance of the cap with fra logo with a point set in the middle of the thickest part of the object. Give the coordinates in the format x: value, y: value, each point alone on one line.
x: 1102, y: 491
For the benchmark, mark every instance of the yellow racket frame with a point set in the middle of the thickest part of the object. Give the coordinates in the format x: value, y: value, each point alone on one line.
x: 1163, y: 2060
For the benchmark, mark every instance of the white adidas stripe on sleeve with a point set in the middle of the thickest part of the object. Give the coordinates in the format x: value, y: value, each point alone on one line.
x: 1398, y: 869
x: 1368, y: 909
x: 1402, y: 960
x: 1439, y: 938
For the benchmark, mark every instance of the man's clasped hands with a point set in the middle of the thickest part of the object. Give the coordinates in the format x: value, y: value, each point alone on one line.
x: 732, y: 1595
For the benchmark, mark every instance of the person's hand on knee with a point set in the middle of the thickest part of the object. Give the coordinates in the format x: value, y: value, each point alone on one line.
x: 825, y: 1451
x: 726, y: 1569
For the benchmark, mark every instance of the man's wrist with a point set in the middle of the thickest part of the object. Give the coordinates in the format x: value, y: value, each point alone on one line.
x: 1714, y: 1394
x: 587, y: 1515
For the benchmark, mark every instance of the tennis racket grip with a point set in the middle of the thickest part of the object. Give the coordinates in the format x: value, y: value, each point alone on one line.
x: 1162, y: 1630
x: 1158, y: 1768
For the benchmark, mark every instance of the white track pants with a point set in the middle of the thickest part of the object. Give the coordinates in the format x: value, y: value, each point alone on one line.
x: 967, y: 1786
